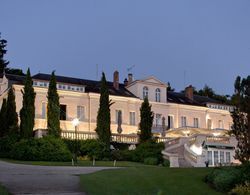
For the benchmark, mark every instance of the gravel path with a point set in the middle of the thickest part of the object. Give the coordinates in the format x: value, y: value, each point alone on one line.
x: 29, y: 179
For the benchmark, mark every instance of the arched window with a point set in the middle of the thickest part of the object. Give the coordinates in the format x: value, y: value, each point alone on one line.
x: 157, y: 95
x: 145, y: 92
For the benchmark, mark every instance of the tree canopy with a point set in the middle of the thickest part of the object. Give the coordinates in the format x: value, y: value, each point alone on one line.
x: 241, y: 118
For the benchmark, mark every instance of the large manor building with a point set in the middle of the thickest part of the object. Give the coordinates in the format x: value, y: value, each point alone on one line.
x: 176, y: 115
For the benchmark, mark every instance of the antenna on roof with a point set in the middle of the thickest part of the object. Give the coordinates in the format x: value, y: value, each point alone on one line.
x: 97, y: 71
x: 130, y: 68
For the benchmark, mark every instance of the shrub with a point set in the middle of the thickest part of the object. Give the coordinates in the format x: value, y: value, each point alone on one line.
x: 241, y: 189
x: 43, y: 149
x: 94, y: 149
x: 6, y: 145
x: 148, y: 149
x: 166, y: 163
x: 150, y: 161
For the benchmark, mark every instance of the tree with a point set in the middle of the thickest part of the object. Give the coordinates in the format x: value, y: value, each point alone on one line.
x: 169, y: 87
x: 3, y: 63
x: 103, y: 117
x: 146, y: 122
x: 241, y: 118
x: 53, y: 108
x: 27, y: 113
x: 3, y: 122
x: 11, y: 114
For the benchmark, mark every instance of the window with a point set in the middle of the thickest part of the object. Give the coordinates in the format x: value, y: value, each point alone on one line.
x: 145, y: 92
x: 216, y: 157
x: 196, y: 122
x: 118, y: 114
x: 222, y: 160
x: 228, y: 158
x: 44, y: 110
x: 220, y: 124
x: 183, y: 121
x: 63, y: 111
x: 170, y: 122
x: 35, y: 83
x: 209, y: 123
x: 132, y: 118
x: 80, y: 113
x: 157, y: 95
x: 209, y: 157
x: 157, y: 120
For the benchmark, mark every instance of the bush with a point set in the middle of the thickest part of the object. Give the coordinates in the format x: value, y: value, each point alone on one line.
x: 94, y: 149
x: 150, y: 161
x: 166, y: 163
x: 6, y: 145
x: 43, y: 149
x: 241, y: 189
x: 148, y: 149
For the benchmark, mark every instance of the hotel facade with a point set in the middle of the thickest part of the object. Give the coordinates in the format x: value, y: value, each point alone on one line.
x: 191, y: 126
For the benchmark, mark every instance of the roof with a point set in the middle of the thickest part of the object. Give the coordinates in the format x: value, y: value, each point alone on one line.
x: 17, y: 79
x: 90, y: 85
x: 180, y: 98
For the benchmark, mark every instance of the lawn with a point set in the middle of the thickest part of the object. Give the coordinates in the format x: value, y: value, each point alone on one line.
x: 85, y: 163
x: 3, y: 191
x: 147, y: 180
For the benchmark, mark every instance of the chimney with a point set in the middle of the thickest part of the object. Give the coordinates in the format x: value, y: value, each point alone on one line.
x: 125, y: 81
x: 189, y: 92
x: 130, y: 78
x: 116, y: 80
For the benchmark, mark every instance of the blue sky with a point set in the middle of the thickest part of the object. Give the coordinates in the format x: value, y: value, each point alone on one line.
x: 208, y: 41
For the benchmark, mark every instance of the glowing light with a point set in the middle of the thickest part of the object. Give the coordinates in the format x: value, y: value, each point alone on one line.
x: 75, y: 122
x: 186, y: 132
x: 216, y: 134
x: 197, y: 150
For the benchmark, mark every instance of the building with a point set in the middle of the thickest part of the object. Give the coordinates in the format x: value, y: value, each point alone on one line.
x: 176, y: 115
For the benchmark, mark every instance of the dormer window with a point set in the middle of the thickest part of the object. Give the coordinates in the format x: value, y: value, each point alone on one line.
x: 157, y: 95
x: 145, y: 92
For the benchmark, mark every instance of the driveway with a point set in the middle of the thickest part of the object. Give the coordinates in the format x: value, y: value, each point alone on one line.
x: 29, y: 179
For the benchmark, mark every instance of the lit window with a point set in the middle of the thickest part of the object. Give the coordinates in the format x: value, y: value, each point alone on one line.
x: 145, y: 92
x: 157, y: 95
x: 132, y: 118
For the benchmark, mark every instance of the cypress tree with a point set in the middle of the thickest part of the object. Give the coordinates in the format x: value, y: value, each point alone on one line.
x: 241, y: 118
x: 3, y: 122
x: 53, y: 108
x: 146, y: 122
x: 27, y: 113
x: 3, y: 63
x: 103, y: 116
x: 11, y: 114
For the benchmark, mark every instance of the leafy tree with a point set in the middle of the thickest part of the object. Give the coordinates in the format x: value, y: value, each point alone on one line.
x: 169, y: 87
x: 3, y: 63
x: 241, y: 118
x: 3, y: 122
x: 27, y: 113
x: 11, y: 114
x: 146, y: 122
x: 103, y: 116
x: 53, y: 108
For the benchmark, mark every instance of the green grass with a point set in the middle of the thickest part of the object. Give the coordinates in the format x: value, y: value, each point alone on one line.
x: 3, y: 190
x: 86, y: 163
x: 147, y: 180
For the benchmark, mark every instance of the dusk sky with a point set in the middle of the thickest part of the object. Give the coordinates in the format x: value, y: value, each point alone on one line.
x: 208, y: 41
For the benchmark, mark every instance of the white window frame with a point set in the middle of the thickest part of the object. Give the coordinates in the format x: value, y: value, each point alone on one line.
x: 158, y: 95
x: 145, y: 92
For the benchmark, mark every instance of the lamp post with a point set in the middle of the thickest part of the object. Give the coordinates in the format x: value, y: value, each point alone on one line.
x: 75, y: 123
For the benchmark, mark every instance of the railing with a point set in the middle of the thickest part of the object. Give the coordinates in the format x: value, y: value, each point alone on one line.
x: 224, y: 140
x: 119, y: 138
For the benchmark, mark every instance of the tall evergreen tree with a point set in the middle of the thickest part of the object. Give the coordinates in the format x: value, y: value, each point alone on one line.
x: 3, y: 63
x: 11, y: 114
x: 241, y: 118
x: 53, y: 108
x: 103, y: 116
x: 146, y: 122
x: 27, y: 114
x: 3, y: 122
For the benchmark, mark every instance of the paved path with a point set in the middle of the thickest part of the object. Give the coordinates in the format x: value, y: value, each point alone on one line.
x: 28, y: 179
